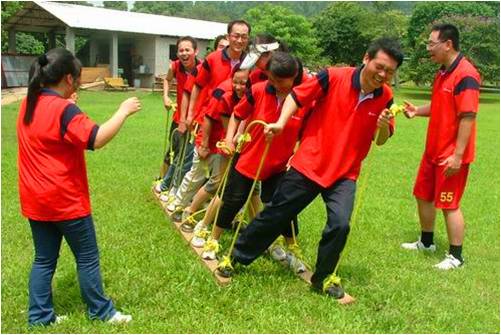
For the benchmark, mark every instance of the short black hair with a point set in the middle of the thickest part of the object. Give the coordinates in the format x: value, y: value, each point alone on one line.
x: 234, y: 22
x: 447, y: 31
x: 283, y: 65
x: 218, y: 39
x: 189, y: 39
x: 389, y: 46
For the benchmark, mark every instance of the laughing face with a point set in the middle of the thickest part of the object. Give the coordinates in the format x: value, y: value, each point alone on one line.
x: 378, y: 70
x: 186, y: 53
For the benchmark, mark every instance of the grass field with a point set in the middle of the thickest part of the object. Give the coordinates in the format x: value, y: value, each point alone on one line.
x: 150, y: 272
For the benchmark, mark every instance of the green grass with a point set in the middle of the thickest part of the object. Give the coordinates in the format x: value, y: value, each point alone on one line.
x: 150, y: 272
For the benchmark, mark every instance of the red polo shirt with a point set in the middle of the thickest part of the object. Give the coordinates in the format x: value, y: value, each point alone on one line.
x: 215, y: 69
x: 52, y: 174
x: 213, y: 113
x: 181, y: 74
x: 340, y: 128
x: 261, y: 103
x: 257, y: 75
x: 455, y: 92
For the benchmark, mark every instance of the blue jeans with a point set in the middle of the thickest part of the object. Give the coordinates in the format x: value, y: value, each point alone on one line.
x: 170, y: 179
x: 81, y: 237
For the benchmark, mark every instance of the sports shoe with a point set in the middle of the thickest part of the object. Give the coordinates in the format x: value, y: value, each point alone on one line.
x: 211, y: 248
x: 177, y: 214
x: 449, y: 262
x: 188, y: 221
x: 332, y: 287
x: 60, y: 319
x: 418, y: 245
x: 157, y: 186
x: 201, y: 234
x: 166, y: 197
x: 293, y: 257
x: 119, y: 318
x: 225, y: 268
x: 277, y: 250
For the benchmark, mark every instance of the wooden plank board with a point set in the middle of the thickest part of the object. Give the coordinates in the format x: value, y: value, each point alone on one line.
x: 210, y: 264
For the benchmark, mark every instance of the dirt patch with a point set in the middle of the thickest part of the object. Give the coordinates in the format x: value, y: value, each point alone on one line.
x: 11, y: 95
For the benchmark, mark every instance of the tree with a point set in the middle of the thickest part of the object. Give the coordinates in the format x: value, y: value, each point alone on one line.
x: 427, y: 12
x: 119, y: 5
x: 295, y: 30
x: 479, y: 41
x: 344, y: 31
x: 478, y: 25
x: 159, y: 7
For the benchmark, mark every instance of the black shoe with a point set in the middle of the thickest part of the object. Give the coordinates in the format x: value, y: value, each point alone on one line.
x: 225, y: 268
x: 330, y: 286
x: 177, y: 216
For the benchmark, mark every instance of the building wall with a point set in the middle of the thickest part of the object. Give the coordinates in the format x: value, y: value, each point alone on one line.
x: 145, y: 47
x: 162, y: 53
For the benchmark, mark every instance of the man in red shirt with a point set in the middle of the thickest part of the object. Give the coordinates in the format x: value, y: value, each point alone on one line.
x: 350, y: 106
x: 182, y: 69
x: 216, y: 68
x: 450, y: 143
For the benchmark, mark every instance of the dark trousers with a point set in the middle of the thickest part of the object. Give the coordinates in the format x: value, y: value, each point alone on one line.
x: 237, y: 191
x: 293, y: 194
x: 81, y: 237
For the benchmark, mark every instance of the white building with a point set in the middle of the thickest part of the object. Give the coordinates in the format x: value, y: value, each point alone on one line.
x: 139, y: 44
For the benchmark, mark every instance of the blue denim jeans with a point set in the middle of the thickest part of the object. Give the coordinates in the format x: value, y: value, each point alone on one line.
x: 81, y: 237
x: 172, y: 177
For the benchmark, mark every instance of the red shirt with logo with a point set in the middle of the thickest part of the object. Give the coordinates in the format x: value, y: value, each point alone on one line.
x: 181, y: 74
x: 338, y: 133
x: 213, y: 114
x: 215, y: 69
x: 260, y: 102
x: 455, y: 93
x: 52, y: 174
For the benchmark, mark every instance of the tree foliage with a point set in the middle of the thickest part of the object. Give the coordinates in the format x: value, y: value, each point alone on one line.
x: 119, y: 5
x: 478, y: 25
x: 343, y: 31
x: 295, y: 30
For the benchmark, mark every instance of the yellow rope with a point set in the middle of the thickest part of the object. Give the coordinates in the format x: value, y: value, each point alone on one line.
x: 258, y: 172
x: 394, y: 110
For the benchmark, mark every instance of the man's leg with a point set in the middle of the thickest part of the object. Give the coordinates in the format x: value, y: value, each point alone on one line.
x: 293, y: 194
x: 455, y: 231
x: 339, y: 200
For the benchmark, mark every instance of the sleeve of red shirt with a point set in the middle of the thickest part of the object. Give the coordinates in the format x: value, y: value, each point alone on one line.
x: 466, y: 95
x: 77, y: 128
x: 214, y: 107
x: 204, y: 74
x: 174, y: 67
x: 245, y: 106
x: 312, y: 89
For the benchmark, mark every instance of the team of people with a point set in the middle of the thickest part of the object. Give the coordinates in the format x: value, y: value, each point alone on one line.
x: 306, y: 135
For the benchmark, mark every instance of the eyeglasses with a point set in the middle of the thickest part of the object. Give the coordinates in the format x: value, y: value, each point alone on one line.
x: 239, y: 36
x: 432, y: 44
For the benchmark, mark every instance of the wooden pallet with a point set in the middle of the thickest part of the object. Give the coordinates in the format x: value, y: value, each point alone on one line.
x: 210, y: 264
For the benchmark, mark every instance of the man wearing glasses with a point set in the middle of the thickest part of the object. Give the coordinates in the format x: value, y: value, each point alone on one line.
x: 450, y: 143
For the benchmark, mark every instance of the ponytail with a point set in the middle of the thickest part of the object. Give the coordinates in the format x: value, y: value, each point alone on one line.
x: 49, y: 69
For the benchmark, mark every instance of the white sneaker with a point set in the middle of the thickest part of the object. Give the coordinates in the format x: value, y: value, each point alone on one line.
x: 211, y: 248
x: 158, y: 186
x: 295, y: 263
x: 171, y: 207
x: 201, y: 234
x: 418, y: 245
x: 165, y: 197
x: 277, y: 252
x: 119, y: 318
x: 60, y: 318
x: 449, y: 262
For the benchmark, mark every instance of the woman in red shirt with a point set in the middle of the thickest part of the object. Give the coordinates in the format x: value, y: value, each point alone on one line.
x: 52, y: 135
